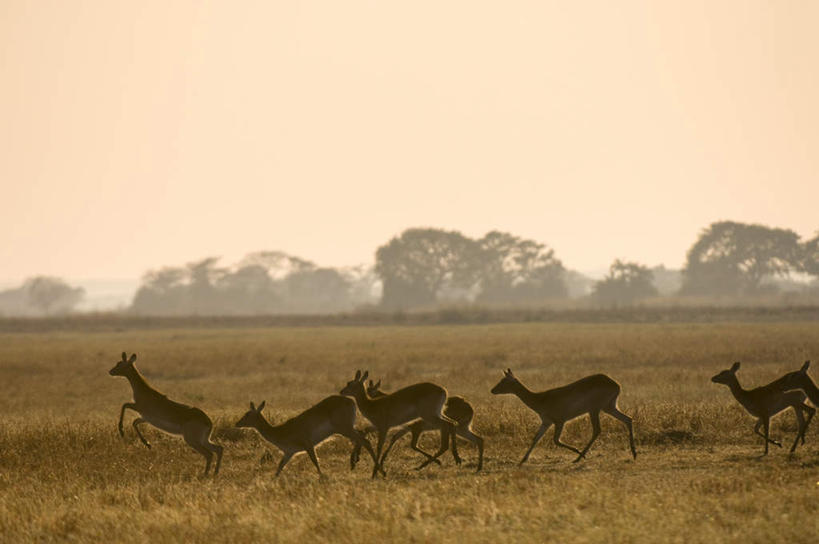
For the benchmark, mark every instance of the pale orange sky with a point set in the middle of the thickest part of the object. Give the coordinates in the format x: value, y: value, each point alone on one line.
x: 140, y: 134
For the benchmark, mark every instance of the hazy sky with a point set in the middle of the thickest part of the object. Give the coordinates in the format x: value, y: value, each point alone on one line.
x: 140, y: 134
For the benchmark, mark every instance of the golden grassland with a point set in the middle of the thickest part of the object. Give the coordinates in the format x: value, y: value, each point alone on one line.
x: 65, y: 474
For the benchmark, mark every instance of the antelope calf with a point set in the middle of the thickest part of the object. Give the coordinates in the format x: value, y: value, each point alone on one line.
x: 421, y: 400
x: 172, y: 417
x: 589, y: 395
x: 456, y: 408
x: 765, y: 402
x: 333, y: 415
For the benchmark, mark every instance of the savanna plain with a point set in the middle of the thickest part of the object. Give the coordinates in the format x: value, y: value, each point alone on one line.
x: 65, y: 473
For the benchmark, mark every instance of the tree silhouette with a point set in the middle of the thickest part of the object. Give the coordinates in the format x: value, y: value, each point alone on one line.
x: 810, y: 256
x: 52, y: 295
x: 732, y: 258
x: 625, y: 283
x: 417, y: 265
x: 41, y: 295
x: 515, y: 270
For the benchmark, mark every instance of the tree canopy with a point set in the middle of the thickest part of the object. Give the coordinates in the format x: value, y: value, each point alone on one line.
x: 421, y: 266
x: 41, y: 296
x: 732, y: 258
x: 626, y: 283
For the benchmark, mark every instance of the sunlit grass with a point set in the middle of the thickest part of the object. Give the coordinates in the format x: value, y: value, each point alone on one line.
x: 66, y: 474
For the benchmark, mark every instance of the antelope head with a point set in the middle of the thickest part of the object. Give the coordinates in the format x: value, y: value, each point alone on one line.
x: 252, y: 417
x: 507, y: 384
x: 356, y: 385
x: 123, y: 367
x: 374, y: 389
x: 727, y: 376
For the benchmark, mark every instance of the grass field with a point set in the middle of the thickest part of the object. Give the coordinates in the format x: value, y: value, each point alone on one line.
x: 65, y: 474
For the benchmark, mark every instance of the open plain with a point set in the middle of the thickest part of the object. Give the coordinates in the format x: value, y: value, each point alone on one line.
x: 65, y: 473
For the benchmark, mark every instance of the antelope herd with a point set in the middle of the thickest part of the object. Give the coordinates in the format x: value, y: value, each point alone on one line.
x: 426, y: 406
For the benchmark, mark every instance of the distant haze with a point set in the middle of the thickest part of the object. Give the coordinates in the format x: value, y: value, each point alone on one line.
x: 139, y: 134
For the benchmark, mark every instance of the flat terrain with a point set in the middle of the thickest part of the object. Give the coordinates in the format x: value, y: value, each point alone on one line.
x: 65, y: 474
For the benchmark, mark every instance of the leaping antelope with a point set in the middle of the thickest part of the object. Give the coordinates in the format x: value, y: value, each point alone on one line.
x: 421, y: 400
x: 765, y: 402
x: 589, y: 395
x: 456, y: 408
x: 163, y: 413
x: 333, y: 415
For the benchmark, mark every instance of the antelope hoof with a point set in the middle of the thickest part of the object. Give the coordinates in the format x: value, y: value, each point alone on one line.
x: 458, y: 461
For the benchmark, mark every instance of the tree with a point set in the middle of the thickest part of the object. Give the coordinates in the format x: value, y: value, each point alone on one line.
x: 203, y: 276
x: 318, y: 290
x: 810, y: 256
x: 417, y: 265
x: 732, y: 258
x: 248, y: 290
x: 516, y: 270
x: 162, y: 292
x: 52, y: 295
x: 625, y: 283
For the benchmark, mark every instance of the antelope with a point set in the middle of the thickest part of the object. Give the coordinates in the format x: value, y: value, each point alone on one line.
x: 765, y: 402
x: 456, y: 408
x: 421, y: 400
x: 333, y: 415
x: 799, y: 379
x: 172, y: 417
x: 589, y: 395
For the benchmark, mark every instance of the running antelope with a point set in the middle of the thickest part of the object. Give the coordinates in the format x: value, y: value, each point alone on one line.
x: 333, y: 415
x: 589, y: 395
x: 456, y: 408
x: 765, y: 402
x: 163, y: 413
x: 799, y: 379
x: 421, y: 400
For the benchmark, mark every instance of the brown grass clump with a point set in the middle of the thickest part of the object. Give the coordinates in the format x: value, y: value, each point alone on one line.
x: 65, y: 474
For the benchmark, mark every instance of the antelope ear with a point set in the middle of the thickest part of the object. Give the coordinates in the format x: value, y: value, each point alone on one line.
x: 124, y: 357
x: 805, y: 367
x: 378, y: 384
x: 357, y: 375
x: 261, y: 406
x: 735, y: 367
x: 133, y: 358
x: 252, y: 407
x: 364, y: 377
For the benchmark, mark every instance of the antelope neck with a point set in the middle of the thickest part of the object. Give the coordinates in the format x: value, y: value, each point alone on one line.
x: 525, y: 395
x: 737, y: 390
x: 363, y: 400
x: 267, y: 430
x: 137, y: 381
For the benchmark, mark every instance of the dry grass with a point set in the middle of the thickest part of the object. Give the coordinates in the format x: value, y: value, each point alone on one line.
x: 66, y: 475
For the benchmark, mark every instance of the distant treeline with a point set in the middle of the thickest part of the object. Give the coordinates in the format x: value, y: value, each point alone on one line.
x: 424, y: 268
